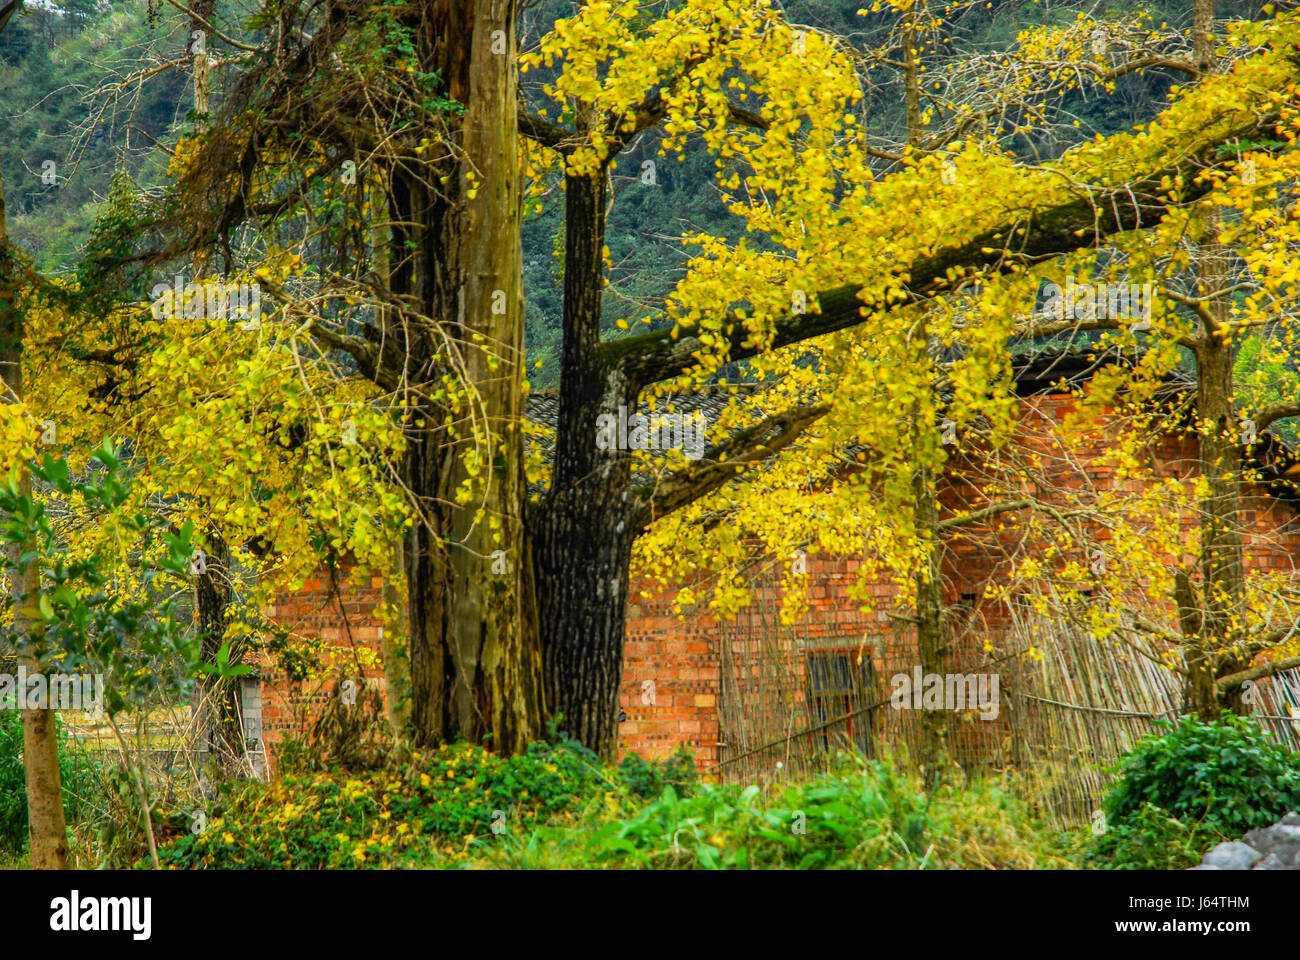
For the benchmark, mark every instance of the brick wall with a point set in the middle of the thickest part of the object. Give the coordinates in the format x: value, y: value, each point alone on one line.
x: 693, y: 681
x: 670, y: 688
x: 339, y: 612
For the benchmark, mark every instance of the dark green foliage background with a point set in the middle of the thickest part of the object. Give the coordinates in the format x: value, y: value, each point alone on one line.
x: 50, y: 58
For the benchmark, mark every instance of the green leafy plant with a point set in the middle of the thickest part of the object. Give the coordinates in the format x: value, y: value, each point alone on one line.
x: 865, y: 814
x: 436, y: 807
x: 80, y: 622
x: 223, y: 668
x: 647, y: 778
x: 77, y: 618
x: 1150, y: 839
x: 76, y: 769
x: 1213, y: 780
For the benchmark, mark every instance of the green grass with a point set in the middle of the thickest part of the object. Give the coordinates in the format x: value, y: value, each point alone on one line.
x: 556, y: 807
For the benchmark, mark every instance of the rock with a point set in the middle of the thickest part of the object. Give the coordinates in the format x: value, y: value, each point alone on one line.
x: 1271, y: 862
x: 1281, y: 840
x: 1265, y: 848
x: 1232, y: 855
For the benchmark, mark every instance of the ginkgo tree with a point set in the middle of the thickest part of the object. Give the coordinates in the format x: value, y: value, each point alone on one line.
x: 232, y: 427
x: 403, y: 195
x: 1265, y: 623
x: 830, y: 242
x: 401, y: 199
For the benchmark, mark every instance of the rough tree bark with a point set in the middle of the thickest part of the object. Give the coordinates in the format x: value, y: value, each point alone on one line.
x: 475, y: 661
x: 931, y: 634
x: 218, y: 711
x: 47, y: 827
x: 583, y: 534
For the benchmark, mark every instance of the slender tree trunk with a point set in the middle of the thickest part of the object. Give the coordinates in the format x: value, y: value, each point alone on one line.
x: 475, y: 660
x: 931, y: 637
x: 218, y: 702
x: 395, y: 645
x: 931, y: 627
x: 47, y: 827
x: 1223, y: 575
x: 201, y: 10
x: 218, y: 709
x: 397, y: 660
x: 1211, y: 653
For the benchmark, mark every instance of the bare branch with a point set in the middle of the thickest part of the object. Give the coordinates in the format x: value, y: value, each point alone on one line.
x: 1268, y: 415
x: 984, y: 513
x: 558, y: 138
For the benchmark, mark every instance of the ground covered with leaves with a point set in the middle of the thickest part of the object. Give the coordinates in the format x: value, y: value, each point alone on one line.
x: 556, y: 806
x: 1172, y: 797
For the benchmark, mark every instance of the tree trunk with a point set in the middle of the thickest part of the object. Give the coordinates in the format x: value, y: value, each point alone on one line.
x: 1213, y: 652
x: 397, y: 662
x: 218, y: 710
x: 475, y: 661
x: 931, y: 637
x: 202, y: 65
x: 47, y: 827
x: 931, y: 640
x: 218, y: 703
x: 583, y: 610
x: 1223, y: 575
x: 583, y: 535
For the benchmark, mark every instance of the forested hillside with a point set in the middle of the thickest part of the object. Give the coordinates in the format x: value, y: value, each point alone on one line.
x: 55, y: 85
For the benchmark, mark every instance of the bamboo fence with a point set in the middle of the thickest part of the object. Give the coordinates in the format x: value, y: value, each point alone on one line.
x: 1066, y: 712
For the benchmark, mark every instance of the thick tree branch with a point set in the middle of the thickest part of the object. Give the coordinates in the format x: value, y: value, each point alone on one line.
x: 1268, y: 415
x: 723, y: 461
x: 1234, y: 680
x: 560, y: 139
x: 1042, y: 234
x: 365, y: 353
x: 984, y: 513
x: 747, y: 117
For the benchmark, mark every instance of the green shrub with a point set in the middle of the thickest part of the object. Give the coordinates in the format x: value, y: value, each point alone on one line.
x: 646, y: 778
x: 868, y: 814
x: 432, y: 811
x: 1150, y: 839
x: 1194, y: 784
x: 13, y: 798
x: 76, y: 770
